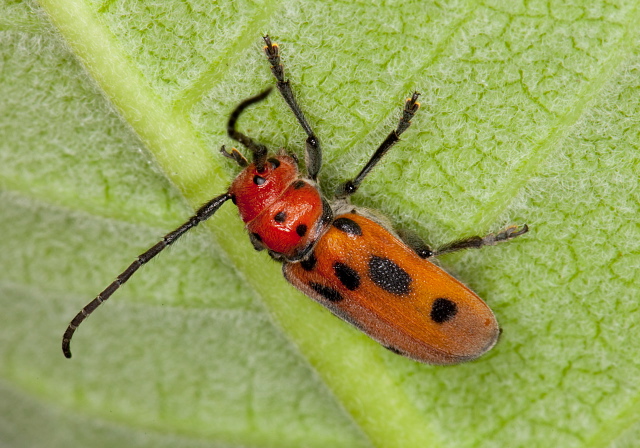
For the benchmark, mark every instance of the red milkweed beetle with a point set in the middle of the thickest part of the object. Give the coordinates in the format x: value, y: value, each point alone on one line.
x: 342, y: 256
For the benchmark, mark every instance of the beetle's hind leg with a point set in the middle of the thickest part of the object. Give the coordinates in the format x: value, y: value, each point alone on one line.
x: 423, y: 250
x: 476, y: 242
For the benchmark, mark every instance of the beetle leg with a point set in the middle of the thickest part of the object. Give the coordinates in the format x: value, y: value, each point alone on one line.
x: 411, y: 106
x: 476, y: 242
x: 313, y: 150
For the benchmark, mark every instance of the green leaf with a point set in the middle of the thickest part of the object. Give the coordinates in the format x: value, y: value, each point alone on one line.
x: 111, y: 118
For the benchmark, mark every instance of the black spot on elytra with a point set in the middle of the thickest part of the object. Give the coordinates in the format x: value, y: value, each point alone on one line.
x: 280, y: 217
x: 389, y: 276
x: 328, y: 293
x: 301, y: 230
x: 347, y: 275
x: 259, y: 180
x: 299, y: 184
x: 348, y: 226
x: 309, y: 263
x: 443, y: 310
x: 233, y: 199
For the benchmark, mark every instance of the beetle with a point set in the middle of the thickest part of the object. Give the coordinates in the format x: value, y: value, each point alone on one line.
x: 347, y: 258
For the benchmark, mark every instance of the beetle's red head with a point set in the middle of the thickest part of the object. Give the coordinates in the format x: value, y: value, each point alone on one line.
x: 253, y: 190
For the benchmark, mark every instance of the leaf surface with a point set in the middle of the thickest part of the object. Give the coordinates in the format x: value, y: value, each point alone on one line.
x: 111, y: 118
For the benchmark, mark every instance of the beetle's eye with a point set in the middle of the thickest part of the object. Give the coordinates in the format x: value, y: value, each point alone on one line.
x: 275, y: 163
x: 259, y: 180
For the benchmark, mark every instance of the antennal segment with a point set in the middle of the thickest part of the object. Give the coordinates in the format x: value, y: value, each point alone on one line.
x: 204, y: 213
x: 259, y: 150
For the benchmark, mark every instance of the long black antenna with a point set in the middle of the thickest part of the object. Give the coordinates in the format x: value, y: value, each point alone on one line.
x: 259, y: 150
x: 204, y: 213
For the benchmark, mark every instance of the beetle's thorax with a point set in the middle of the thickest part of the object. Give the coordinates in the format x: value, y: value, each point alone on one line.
x: 283, y: 212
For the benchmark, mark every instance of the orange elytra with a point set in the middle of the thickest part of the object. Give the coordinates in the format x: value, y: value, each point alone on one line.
x: 346, y: 258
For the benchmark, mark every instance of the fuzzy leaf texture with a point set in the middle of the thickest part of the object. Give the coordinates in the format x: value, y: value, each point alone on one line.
x: 111, y: 116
